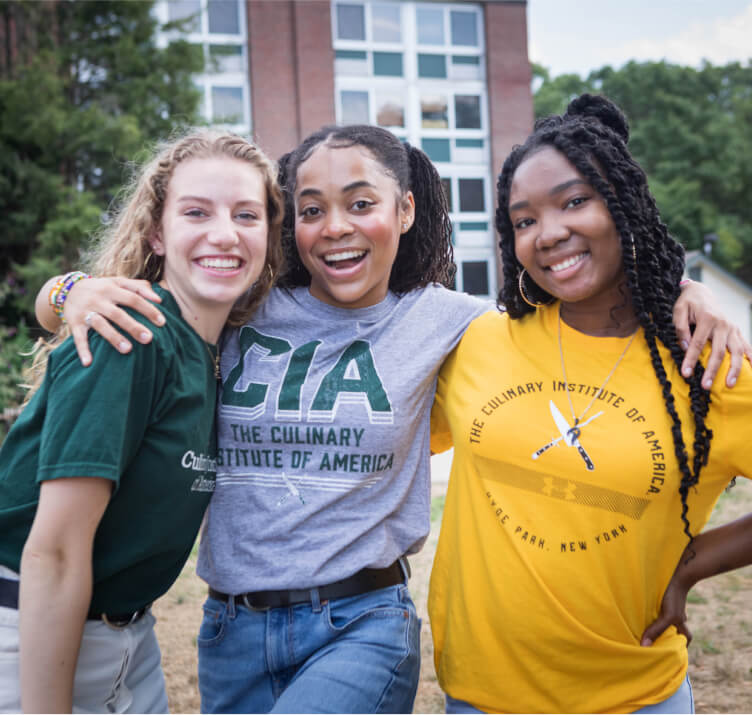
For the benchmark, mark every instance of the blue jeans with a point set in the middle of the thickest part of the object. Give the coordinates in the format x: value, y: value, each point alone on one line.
x: 357, y: 655
x: 680, y: 702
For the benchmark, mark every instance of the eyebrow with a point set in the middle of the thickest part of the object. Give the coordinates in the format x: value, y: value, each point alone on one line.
x: 555, y: 190
x: 345, y: 189
x: 205, y: 200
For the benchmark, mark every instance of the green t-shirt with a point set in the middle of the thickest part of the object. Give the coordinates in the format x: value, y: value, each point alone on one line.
x: 144, y: 420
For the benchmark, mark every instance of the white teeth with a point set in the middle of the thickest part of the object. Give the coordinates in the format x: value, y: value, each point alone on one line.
x: 219, y: 262
x: 343, y: 256
x: 568, y: 262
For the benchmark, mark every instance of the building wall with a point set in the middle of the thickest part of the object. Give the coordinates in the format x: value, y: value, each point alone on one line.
x: 291, y: 66
x: 733, y: 302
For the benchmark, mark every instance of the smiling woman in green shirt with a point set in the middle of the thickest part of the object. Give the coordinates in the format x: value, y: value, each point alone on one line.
x: 105, y: 476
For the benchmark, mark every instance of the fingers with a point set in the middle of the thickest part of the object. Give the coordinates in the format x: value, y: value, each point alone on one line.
x: 696, y: 345
x: 103, y: 326
x: 684, y: 630
x: 654, y: 630
x: 124, y: 296
x: 737, y: 350
x: 681, y: 322
x: 81, y: 342
x: 717, y: 353
x: 140, y: 287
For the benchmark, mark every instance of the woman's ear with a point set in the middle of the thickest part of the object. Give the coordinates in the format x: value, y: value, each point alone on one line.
x: 407, y: 212
x: 157, y: 244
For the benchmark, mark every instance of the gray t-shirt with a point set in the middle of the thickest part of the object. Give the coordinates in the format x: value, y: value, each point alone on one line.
x: 323, y: 462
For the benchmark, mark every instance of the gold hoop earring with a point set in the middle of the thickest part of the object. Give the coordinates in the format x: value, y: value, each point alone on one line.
x: 522, y: 291
x: 145, y: 268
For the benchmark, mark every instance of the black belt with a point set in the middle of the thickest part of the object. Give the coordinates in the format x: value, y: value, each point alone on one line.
x: 360, y: 582
x: 9, y: 599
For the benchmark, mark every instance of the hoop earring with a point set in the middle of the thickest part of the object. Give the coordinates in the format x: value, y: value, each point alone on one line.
x: 145, y: 268
x: 522, y: 291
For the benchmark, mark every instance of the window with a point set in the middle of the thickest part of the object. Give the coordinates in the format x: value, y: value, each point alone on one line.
x: 467, y: 111
x: 386, y: 25
x: 432, y: 66
x: 218, y: 26
x: 184, y: 9
x: 434, y: 112
x: 387, y: 64
x: 226, y: 58
x: 390, y: 110
x: 475, y: 277
x: 224, y: 17
x: 471, y: 195
x: 227, y: 105
x: 417, y: 68
x: 351, y: 24
x: 464, y: 28
x: 355, y: 107
x: 430, y: 24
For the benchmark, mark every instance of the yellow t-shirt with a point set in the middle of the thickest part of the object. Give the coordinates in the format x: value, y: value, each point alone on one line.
x: 548, y: 571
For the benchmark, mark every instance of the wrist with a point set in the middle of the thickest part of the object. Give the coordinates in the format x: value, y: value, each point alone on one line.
x: 60, y: 291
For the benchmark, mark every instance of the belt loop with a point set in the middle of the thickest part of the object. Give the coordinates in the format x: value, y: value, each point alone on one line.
x: 405, y: 566
x: 315, y: 600
x: 231, y: 606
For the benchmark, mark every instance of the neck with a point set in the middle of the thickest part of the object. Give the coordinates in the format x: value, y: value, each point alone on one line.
x: 207, y: 321
x: 613, y: 322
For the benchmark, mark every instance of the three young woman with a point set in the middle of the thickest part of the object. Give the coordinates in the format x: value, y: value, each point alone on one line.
x: 323, y: 473
x: 105, y: 476
x: 585, y: 464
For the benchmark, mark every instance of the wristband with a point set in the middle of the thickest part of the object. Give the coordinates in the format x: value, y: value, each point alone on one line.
x: 684, y: 281
x: 60, y: 290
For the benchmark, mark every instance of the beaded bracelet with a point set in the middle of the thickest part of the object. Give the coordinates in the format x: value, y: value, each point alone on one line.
x: 60, y: 290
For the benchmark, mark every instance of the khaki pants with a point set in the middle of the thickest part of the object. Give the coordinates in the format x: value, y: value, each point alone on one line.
x: 119, y: 669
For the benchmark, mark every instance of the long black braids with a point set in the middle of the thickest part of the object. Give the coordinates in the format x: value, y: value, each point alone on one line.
x: 593, y: 135
x: 425, y: 252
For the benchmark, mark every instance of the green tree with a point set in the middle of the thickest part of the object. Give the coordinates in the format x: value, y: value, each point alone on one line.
x: 690, y: 131
x: 83, y: 88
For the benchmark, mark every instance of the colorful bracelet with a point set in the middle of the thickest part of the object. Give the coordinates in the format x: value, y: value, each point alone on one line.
x: 60, y: 290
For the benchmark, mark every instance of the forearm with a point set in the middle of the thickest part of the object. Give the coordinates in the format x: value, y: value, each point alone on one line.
x: 716, y: 551
x: 55, y: 593
x: 47, y: 317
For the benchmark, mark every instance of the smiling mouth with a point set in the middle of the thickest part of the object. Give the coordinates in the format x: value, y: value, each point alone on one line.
x: 220, y: 264
x: 567, y: 263
x: 344, y: 259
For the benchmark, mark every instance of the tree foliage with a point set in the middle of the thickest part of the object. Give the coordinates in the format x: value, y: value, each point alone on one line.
x: 83, y: 88
x: 691, y: 130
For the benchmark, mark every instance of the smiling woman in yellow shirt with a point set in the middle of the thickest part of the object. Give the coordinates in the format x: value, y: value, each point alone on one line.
x: 585, y: 464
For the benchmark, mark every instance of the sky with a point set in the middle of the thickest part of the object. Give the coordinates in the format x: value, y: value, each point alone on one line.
x: 581, y: 35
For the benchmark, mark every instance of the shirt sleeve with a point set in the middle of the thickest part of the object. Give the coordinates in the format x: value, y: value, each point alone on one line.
x: 441, y: 433
x: 96, y: 416
x: 731, y: 430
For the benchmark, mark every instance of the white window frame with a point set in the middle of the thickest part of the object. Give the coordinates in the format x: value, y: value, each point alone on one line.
x: 206, y: 80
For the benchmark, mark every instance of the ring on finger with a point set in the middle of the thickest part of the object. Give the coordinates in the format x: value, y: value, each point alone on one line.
x: 89, y: 317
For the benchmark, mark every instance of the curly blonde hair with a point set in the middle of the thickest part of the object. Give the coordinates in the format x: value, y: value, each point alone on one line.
x: 122, y: 248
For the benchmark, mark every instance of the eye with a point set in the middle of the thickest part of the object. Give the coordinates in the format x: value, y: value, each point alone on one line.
x: 195, y: 213
x: 362, y: 205
x: 523, y: 223
x: 246, y: 215
x: 576, y: 201
x: 310, y: 212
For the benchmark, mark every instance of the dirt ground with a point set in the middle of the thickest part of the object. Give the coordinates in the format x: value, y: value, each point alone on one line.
x: 720, y: 617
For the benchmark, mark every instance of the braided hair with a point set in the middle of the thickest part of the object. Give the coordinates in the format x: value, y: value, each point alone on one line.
x: 425, y: 251
x: 593, y: 135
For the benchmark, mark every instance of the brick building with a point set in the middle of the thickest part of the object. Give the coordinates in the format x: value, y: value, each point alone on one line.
x: 450, y: 77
